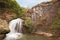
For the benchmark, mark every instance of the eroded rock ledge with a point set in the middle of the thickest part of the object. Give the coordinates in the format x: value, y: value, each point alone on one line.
x: 42, y: 15
x: 3, y: 28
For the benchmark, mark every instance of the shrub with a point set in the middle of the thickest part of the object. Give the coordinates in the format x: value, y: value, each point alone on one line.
x: 28, y: 24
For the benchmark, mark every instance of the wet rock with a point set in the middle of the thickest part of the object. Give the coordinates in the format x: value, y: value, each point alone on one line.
x: 2, y: 36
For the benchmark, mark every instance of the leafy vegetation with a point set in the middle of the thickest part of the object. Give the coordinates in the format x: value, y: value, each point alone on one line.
x: 11, y: 10
x: 28, y: 24
x: 12, y: 6
x: 55, y: 27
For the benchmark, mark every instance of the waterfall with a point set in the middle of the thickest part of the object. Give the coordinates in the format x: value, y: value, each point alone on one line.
x: 15, y: 27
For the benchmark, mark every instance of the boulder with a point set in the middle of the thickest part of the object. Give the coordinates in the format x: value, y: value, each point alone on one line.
x: 4, y: 29
x: 2, y: 36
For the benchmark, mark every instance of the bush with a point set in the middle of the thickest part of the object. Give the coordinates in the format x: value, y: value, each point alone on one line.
x: 28, y: 24
x: 12, y: 7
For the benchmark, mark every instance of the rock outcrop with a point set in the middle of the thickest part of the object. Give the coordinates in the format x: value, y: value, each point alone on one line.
x: 3, y: 28
x: 42, y: 15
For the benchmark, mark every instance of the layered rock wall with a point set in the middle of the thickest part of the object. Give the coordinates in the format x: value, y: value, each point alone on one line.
x: 42, y: 15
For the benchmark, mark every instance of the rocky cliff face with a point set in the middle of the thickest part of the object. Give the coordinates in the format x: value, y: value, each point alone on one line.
x: 4, y: 29
x: 42, y: 15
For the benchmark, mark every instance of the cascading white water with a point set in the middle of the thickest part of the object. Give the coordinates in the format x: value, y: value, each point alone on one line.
x: 15, y: 30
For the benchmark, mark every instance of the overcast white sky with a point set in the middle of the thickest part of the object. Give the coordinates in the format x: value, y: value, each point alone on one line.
x: 30, y: 3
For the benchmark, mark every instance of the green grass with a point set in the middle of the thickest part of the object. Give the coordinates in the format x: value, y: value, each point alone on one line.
x: 34, y: 37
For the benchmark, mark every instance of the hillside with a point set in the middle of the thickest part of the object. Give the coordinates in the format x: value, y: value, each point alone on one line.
x: 9, y: 9
x: 45, y: 17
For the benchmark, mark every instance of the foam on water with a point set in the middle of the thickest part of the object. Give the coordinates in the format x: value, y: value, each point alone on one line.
x: 15, y: 30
